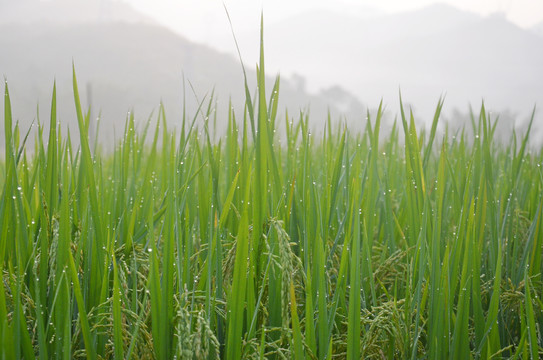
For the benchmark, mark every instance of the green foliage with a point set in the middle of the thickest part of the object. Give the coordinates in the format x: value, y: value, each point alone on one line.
x: 355, y: 245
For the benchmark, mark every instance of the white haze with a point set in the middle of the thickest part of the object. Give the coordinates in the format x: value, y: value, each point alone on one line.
x: 351, y: 53
x: 205, y: 22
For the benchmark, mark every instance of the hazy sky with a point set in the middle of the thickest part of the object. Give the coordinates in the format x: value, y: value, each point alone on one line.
x: 203, y: 20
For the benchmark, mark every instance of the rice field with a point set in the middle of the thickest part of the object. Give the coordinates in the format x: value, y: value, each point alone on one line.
x: 342, y: 245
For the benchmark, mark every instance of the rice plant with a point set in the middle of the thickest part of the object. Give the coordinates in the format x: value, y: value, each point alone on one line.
x: 342, y: 245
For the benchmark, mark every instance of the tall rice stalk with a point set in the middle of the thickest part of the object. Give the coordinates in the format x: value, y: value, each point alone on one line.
x: 346, y: 245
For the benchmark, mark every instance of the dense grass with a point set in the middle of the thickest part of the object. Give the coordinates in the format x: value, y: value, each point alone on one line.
x: 348, y: 245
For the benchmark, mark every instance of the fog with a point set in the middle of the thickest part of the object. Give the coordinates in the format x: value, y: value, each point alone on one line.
x: 342, y: 56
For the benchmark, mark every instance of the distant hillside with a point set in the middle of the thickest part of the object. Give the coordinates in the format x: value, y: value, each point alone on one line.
x: 538, y: 28
x: 127, y: 66
x: 425, y: 53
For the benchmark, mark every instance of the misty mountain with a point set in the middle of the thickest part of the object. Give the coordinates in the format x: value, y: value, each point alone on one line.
x: 425, y: 53
x: 124, y: 66
x: 538, y: 28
